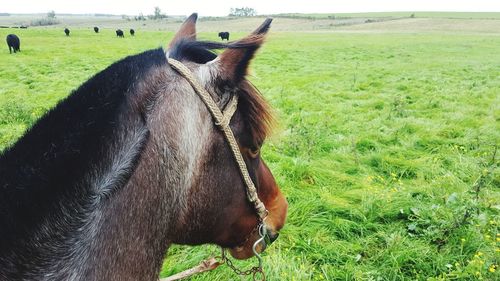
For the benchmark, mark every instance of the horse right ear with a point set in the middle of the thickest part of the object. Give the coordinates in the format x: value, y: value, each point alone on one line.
x: 187, y: 30
x: 232, y: 63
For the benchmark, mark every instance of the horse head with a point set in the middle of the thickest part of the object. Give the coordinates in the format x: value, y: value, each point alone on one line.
x: 217, y: 209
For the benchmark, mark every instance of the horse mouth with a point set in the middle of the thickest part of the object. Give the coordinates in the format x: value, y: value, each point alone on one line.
x: 246, y: 250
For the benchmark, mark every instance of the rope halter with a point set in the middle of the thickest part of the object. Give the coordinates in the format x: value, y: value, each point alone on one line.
x: 222, y: 120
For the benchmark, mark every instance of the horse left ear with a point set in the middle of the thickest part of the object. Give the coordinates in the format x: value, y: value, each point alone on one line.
x: 234, y: 61
x: 187, y: 30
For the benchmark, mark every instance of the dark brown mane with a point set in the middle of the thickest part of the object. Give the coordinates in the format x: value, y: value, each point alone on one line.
x: 256, y: 111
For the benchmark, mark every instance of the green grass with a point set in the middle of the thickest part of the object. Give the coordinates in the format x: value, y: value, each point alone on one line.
x: 384, y: 146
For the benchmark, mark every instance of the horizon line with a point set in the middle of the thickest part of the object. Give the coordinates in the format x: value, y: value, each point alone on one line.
x: 284, y: 13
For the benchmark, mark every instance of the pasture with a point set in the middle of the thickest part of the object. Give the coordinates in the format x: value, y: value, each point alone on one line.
x: 385, y: 145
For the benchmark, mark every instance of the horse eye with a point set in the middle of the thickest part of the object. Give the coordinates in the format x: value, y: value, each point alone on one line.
x: 254, y: 152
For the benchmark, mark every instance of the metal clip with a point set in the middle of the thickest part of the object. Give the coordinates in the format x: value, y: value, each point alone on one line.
x: 262, y: 234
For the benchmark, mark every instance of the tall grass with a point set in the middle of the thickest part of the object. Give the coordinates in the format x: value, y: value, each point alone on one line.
x: 385, y: 147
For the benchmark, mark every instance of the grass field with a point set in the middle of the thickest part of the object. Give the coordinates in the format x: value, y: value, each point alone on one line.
x: 378, y: 22
x: 385, y: 147
x: 448, y: 15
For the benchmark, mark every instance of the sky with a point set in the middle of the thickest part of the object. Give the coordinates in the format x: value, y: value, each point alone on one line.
x: 222, y: 7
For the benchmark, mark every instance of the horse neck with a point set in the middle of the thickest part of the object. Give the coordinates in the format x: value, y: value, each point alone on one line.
x: 141, y: 220
x: 131, y: 238
x: 58, y: 243
x: 54, y: 216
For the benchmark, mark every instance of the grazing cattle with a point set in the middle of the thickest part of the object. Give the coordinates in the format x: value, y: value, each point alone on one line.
x: 96, y: 29
x: 14, y: 43
x: 134, y: 160
x: 119, y: 33
x: 66, y: 31
x: 224, y: 35
x: 132, y: 32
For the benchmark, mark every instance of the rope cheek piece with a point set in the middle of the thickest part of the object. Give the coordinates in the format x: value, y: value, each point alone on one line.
x: 222, y: 120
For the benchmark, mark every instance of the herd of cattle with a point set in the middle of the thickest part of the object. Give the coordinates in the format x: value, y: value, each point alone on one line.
x: 15, y: 44
x: 119, y: 32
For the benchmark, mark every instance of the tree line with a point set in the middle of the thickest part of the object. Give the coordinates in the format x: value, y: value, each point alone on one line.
x: 242, y: 12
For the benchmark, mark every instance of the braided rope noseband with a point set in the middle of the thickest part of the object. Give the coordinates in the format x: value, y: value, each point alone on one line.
x: 222, y: 120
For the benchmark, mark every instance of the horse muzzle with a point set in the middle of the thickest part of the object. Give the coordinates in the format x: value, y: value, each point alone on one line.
x: 264, y: 236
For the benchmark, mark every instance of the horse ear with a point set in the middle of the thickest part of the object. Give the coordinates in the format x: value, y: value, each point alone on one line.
x: 187, y: 30
x: 233, y: 62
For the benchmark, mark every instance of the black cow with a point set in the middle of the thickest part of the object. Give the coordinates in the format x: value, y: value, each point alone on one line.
x: 96, y: 29
x: 132, y: 32
x: 13, y: 43
x: 119, y: 33
x: 224, y: 35
x: 66, y: 31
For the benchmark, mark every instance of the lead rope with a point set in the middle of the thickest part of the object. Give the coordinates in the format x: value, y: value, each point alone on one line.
x: 222, y: 120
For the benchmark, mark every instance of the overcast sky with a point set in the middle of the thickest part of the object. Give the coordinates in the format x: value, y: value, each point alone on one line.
x: 221, y: 7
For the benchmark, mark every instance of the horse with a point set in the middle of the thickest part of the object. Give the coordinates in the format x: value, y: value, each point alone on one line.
x: 119, y: 33
x: 13, y: 43
x: 66, y: 30
x: 132, y: 32
x: 132, y: 162
x: 96, y: 29
x: 224, y: 35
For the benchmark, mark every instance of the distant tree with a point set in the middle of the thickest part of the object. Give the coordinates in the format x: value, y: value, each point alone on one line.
x: 158, y: 15
x: 49, y: 20
x: 140, y: 17
x: 242, y: 12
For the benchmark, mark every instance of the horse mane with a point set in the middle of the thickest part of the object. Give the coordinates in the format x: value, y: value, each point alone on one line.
x: 51, y: 162
x: 255, y: 110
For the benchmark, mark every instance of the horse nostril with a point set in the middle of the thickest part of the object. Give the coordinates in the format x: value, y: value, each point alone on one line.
x: 273, y: 237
